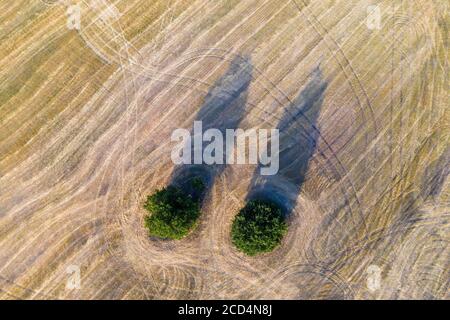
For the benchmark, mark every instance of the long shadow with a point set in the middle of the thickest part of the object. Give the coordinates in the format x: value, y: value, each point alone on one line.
x: 223, y: 108
x: 298, y: 136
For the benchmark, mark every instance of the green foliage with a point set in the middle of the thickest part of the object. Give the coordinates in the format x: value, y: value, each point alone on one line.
x: 258, y: 228
x: 198, y: 184
x: 173, y: 214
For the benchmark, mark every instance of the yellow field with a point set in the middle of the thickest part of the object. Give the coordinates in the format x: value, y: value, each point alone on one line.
x: 86, y: 118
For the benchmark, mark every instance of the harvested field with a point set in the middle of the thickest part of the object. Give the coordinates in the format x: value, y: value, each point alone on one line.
x: 86, y: 118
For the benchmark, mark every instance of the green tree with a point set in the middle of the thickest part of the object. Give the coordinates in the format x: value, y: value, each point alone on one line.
x: 259, y: 227
x: 173, y: 213
x: 198, y: 184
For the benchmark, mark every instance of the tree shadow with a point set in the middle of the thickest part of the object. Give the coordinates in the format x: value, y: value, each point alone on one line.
x: 298, y: 134
x: 223, y: 108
